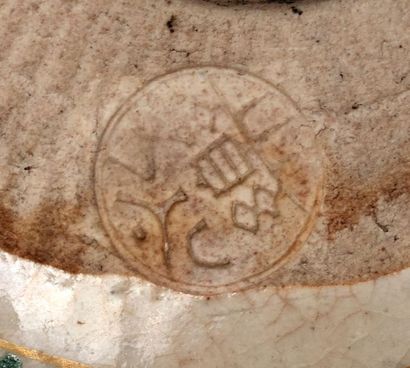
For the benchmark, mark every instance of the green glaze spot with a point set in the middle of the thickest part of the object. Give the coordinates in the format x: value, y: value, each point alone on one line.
x: 10, y: 361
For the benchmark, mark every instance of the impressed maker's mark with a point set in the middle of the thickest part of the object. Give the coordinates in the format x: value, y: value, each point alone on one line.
x: 207, y: 180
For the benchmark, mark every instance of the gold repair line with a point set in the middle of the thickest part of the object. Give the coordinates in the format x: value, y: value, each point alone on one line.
x: 40, y: 356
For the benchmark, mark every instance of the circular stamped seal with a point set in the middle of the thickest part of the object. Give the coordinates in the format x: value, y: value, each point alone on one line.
x: 208, y: 180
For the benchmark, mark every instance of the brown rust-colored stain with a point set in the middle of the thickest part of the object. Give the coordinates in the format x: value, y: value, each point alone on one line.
x: 44, y: 237
x: 347, y: 201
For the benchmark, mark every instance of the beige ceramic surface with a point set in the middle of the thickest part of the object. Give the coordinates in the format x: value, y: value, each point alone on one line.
x: 214, y: 190
x: 192, y: 184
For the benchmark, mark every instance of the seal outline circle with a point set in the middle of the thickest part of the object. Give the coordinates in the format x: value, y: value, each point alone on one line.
x: 147, y: 272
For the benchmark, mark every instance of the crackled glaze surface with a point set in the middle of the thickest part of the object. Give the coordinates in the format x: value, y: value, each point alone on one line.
x: 113, y: 321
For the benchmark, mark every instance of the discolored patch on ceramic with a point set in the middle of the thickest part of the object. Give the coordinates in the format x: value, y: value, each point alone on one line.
x: 208, y: 180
